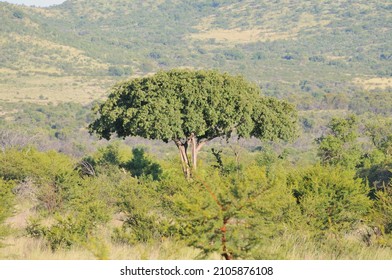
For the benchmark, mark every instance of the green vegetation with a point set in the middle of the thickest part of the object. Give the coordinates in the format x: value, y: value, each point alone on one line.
x: 286, y: 47
x: 236, y: 207
x: 338, y: 147
x: 191, y: 108
x: 325, y: 195
x: 248, y: 199
x: 6, y: 205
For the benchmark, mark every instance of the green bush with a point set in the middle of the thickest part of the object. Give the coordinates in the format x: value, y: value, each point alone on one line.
x: 383, y: 210
x: 6, y: 205
x: 339, y: 146
x: 111, y: 158
x: 145, y: 219
x: 89, y: 204
x: 19, y: 164
x: 232, y: 213
x: 141, y: 165
x: 330, y: 198
x: 74, y: 228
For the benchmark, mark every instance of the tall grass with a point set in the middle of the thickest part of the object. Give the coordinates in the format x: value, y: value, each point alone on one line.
x: 25, y: 248
x: 288, y: 247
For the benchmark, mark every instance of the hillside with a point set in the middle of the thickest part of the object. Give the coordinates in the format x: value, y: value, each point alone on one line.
x: 285, y: 46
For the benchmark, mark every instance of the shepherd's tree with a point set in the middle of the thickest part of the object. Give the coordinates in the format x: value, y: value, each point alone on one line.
x: 190, y: 108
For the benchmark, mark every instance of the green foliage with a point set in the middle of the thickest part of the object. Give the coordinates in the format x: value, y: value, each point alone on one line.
x: 378, y: 174
x: 233, y: 213
x: 6, y: 205
x: 191, y: 108
x: 144, y: 221
x: 267, y: 157
x: 380, y: 133
x: 46, y: 127
x: 250, y: 205
x: 339, y: 146
x: 18, y: 14
x: 140, y: 165
x: 52, y: 174
x: 377, y: 102
x: 114, y: 156
x: 377, y: 162
x: 330, y: 199
x: 79, y: 205
x: 29, y: 162
x: 383, y: 210
x: 274, y: 119
x: 233, y: 55
x: 118, y: 71
x: 174, y: 104
x: 66, y: 232
x: 87, y: 209
x: 106, y: 157
x: 177, y: 47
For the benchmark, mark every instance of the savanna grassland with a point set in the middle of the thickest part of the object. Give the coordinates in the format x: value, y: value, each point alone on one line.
x: 325, y: 193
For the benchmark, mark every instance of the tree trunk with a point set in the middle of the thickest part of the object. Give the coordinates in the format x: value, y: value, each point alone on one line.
x: 194, y: 151
x: 189, y: 165
x: 225, y: 253
x: 196, y: 147
x: 182, y: 148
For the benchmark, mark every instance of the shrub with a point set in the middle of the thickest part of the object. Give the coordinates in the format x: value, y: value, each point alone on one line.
x: 19, y: 164
x: 383, y: 210
x: 6, y: 205
x: 87, y: 208
x: 140, y: 165
x: 232, y: 213
x: 330, y: 198
x: 339, y: 146
x: 144, y: 219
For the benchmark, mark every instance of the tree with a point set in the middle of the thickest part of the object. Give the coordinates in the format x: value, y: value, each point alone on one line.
x: 233, y: 212
x: 339, y: 146
x: 377, y: 163
x: 191, y: 108
x: 380, y: 133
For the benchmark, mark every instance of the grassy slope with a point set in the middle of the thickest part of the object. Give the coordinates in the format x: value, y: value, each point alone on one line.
x: 333, y: 45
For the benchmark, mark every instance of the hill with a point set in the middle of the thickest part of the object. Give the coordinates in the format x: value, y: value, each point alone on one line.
x: 78, y: 49
x: 328, y: 45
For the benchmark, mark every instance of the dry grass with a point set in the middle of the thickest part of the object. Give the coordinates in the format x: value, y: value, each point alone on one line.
x: 346, y: 249
x: 272, y: 26
x: 374, y: 83
x: 289, y: 247
x: 25, y: 248
x: 334, y: 57
x: 21, y: 247
x: 62, y: 53
x: 44, y: 89
x: 50, y: 13
x: 241, y: 36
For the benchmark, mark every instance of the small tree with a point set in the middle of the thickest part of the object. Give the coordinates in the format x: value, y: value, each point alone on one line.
x: 191, y: 108
x: 233, y: 212
x: 380, y: 133
x: 339, y: 146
